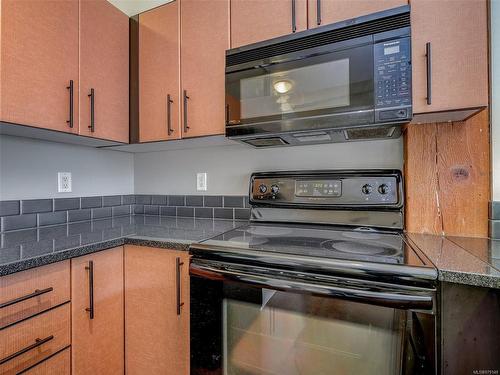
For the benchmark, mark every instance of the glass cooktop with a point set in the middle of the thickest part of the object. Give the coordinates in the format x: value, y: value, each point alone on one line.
x: 363, y: 244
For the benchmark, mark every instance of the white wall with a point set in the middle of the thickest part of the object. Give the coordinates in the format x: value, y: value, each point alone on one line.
x: 495, y: 97
x: 229, y: 167
x: 28, y: 169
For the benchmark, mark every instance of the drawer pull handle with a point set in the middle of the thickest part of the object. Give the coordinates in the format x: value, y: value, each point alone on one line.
x: 36, y: 344
x: 186, y: 97
x: 90, y: 309
x: 92, y: 110
x: 428, y: 58
x: 71, y: 99
x: 169, y: 115
x: 178, y: 265
x: 36, y: 293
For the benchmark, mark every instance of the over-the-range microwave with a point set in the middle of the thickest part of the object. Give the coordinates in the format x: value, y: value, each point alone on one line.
x: 346, y: 81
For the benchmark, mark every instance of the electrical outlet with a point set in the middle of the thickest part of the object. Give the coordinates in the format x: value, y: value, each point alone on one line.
x: 64, y: 182
x: 201, y: 181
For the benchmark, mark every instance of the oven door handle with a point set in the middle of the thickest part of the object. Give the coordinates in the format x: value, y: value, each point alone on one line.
x: 389, y: 297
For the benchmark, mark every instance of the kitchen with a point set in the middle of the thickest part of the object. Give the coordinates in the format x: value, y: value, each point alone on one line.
x: 249, y: 187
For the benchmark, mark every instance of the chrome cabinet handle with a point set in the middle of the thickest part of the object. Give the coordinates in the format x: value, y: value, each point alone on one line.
x: 90, y: 309
x: 178, y: 265
x: 169, y: 110
x: 92, y: 105
x: 428, y: 56
x: 318, y: 12
x: 294, y: 18
x: 36, y: 344
x: 36, y: 293
x: 71, y: 100
x: 186, y: 97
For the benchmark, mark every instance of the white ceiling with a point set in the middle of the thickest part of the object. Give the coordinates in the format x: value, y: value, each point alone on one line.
x: 133, y: 7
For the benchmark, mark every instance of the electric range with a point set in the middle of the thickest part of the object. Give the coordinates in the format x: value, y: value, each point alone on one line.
x: 321, y: 246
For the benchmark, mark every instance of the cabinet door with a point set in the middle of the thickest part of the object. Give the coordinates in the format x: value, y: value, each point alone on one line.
x: 204, y: 40
x: 323, y: 12
x: 98, y: 341
x: 159, y: 73
x: 257, y: 20
x: 59, y: 364
x: 39, y: 57
x: 157, y: 334
x: 458, y: 36
x: 104, y: 60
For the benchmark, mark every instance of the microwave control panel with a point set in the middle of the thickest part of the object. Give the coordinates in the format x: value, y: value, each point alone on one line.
x: 392, y: 79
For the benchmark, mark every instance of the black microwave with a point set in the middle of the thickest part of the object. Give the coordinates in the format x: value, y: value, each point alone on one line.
x: 347, y: 81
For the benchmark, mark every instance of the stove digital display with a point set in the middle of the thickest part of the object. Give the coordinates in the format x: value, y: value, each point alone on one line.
x: 318, y: 188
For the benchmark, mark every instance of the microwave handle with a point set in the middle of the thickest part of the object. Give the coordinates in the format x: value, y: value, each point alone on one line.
x: 428, y: 57
x: 294, y: 18
x: 404, y: 299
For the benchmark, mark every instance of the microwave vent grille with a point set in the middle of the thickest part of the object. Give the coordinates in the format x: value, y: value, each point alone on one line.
x: 321, y: 38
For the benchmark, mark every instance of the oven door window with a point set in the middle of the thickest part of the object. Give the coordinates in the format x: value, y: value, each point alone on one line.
x: 341, y: 81
x: 238, y: 329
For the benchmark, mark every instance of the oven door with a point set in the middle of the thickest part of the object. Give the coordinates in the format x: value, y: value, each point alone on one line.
x: 323, y: 89
x: 257, y: 321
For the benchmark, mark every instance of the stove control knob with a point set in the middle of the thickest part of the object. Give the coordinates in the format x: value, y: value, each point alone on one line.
x: 275, y: 189
x: 366, y: 189
x: 383, y: 189
x: 262, y: 188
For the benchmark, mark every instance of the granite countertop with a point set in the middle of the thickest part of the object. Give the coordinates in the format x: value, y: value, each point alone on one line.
x: 24, y: 249
x: 462, y: 260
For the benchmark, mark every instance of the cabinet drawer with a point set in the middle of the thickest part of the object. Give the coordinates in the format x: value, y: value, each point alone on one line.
x: 27, y: 293
x: 59, y: 364
x: 26, y: 343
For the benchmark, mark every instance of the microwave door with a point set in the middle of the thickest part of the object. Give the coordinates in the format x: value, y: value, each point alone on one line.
x: 323, y: 87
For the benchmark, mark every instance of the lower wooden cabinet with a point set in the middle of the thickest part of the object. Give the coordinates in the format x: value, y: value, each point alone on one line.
x: 58, y: 364
x: 156, y: 315
x: 97, y: 313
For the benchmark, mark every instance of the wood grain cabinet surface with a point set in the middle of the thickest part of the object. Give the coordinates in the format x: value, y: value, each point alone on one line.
x: 38, y: 58
x: 27, y: 343
x: 98, y: 341
x: 104, y: 67
x: 257, y: 20
x: 458, y: 36
x: 24, y: 294
x: 157, y: 334
x: 159, y: 73
x: 58, y: 364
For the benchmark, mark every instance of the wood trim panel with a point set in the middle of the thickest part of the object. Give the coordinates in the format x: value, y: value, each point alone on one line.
x: 59, y: 364
x: 39, y: 55
x: 104, y: 66
x: 159, y: 72
x: 257, y: 20
x: 340, y: 10
x: 156, y: 338
x: 458, y: 32
x: 17, y: 285
x: 55, y: 323
x: 98, y: 344
x: 447, y: 170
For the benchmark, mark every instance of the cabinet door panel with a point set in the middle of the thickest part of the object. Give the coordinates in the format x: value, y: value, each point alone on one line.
x: 204, y: 40
x: 257, y: 20
x: 104, y: 60
x: 98, y: 343
x: 457, y: 31
x: 59, y: 364
x: 39, y: 56
x: 159, y: 73
x: 339, y: 10
x: 157, y: 339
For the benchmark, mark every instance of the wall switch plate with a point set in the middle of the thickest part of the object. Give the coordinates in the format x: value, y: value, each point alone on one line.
x: 64, y: 182
x: 201, y: 181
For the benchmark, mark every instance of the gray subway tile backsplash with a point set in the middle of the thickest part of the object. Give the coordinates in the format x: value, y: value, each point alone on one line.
x: 8, y: 208
x: 32, y: 206
x: 32, y: 213
x: 64, y: 204
x: 495, y: 210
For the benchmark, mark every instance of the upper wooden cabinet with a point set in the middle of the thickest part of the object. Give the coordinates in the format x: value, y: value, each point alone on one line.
x: 104, y: 68
x: 156, y: 311
x: 97, y: 313
x: 38, y: 59
x: 204, y: 41
x: 458, y: 38
x: 159, y: 74
x: 322, y: 12
x: 256, y: 20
